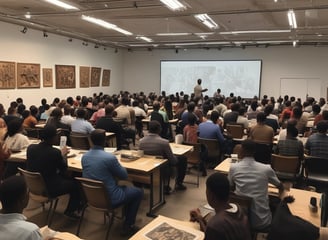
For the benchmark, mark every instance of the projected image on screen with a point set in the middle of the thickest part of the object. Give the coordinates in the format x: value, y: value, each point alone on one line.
x: 239, y: 77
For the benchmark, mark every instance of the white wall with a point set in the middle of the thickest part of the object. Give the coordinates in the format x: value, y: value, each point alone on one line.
x: 142, y: 69
x: 32, y: 47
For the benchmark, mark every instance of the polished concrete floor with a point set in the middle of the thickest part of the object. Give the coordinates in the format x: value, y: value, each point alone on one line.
x: 177, y: 206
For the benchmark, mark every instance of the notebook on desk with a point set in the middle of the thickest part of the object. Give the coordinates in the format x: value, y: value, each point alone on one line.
x: 128, y: 158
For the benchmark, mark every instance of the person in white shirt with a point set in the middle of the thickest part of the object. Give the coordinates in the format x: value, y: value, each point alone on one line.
x: 67, y: 118
x: 198, y: 90
x: 14, y: 198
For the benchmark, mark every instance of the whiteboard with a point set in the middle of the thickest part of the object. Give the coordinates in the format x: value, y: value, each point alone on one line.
x: 301, y: 87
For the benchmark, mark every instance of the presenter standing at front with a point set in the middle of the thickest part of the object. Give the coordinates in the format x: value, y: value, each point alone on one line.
x: 198, y: 89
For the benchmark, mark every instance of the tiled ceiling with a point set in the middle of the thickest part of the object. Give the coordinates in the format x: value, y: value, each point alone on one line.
x: 150, y: 17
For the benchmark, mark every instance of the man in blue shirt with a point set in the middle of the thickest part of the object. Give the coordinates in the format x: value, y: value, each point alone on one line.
x: 80, y: 125
x: 102, y: 166
x: 210, y: 129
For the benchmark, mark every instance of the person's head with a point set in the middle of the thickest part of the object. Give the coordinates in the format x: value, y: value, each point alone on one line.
x: 268, y: 109
x: 21, y: 108
x: 67, y: 109
x: 154, y: 127
x: 25, y: 114
x: 80, y: 113
x: 135, y: 103
x: 217, y: 189
x: 109, y: 109
x: 156, y: 106
x: 260, y: 117
x: 56, y: 113
x: 43, y: 101
x: 248, y: 148
x: 49, y: 134
x: 14, y: 126
x: 241, y: 111
x: 33, y: 110
x: 322, y: 127
x: 191, y: 106
x: 316, y: 109
x: 199, y: 81
x: 70, y: 101
x: 297, y: 112
x: 254, y: 105
x: 214, y: 116
x: 19, y: 100
x: 235, y: 107
x: 292, y: 132
x: 125, y: 101
x: 2, y: 123
x: 98, y: 137
x: 288, y: 103
x: 13, y: 194
x: 192, y: 119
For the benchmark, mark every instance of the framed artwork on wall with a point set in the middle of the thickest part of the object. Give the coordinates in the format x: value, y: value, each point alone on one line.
x: 28, y: 75
x: 95, y: 76
x: 105, y: 78
x: 84, y: 77
x: 47, y: 77
x: 7, y: 75
x: 65, y: 76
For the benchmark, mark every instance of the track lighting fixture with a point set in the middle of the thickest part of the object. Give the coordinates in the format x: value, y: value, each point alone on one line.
x: 85, y: 43
x: 45, y: 34
x: 176, y: 51
x: 70, y: 39
x: 96, y: 46
x: 24, y: 30
x: 116, y: 50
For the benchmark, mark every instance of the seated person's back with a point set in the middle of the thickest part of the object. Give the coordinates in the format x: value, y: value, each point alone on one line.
x: 251, y: 179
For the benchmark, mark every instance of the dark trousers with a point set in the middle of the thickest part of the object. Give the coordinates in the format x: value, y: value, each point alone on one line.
x: 131, y: 202
x: 181, y: 168
x: 62, y: 185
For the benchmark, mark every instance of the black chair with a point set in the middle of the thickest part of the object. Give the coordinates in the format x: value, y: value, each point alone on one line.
x: 316, y: 171
x: 80, y: 141
x: 263, y: 153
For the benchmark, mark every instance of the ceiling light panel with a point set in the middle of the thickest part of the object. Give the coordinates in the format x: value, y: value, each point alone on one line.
x: 62, y: 4
x: 207, y: 21
x: 174, y: 5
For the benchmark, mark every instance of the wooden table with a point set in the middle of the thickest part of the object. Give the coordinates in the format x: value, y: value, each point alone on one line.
x: 145, y: 170
x: 180, y: 149
x: 300, y: 207
x: 189, y: 227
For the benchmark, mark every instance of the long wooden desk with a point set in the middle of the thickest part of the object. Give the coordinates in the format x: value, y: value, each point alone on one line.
x: 300, y: 207
x: 162, y: 233
x: 145, y: 170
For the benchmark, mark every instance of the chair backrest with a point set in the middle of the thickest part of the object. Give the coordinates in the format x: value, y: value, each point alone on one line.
x: 213, y: 148
x: 79, y: 141
x: 263, y: 153
x: 60, y: 132
x: 235, y: 130
x: 316, y: 166
x: 95, y: 194
x: 237, y: 149
x: 193, y: 157
x: 285, y: 164
x: 34, y: 182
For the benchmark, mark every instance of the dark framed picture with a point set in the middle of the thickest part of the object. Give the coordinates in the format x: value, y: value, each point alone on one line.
x: 7, y: 75
x: 105, y: 78
x: 65, y: 76
x: 47, y: 77
x: 28, y: 75
x: 84, y: 77
x: 95, y: 76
